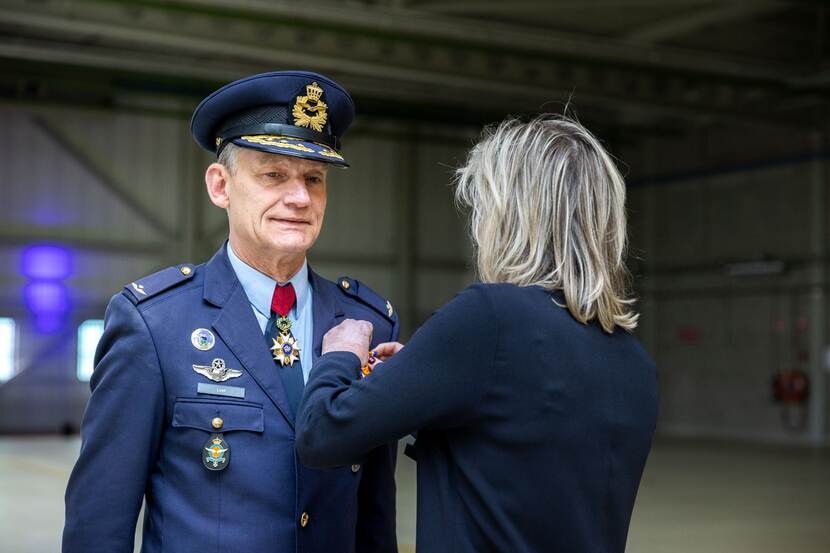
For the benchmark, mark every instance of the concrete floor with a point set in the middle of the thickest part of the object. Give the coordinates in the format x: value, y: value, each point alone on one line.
x: 695, y: 497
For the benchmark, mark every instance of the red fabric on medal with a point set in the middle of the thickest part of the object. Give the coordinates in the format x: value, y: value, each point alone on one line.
x: 285, y: 347
x: 283, y: 299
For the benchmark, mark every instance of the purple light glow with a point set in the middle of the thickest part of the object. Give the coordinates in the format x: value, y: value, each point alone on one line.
x: 49, y: 322
x: 46, y: 262
x: 46, y: 298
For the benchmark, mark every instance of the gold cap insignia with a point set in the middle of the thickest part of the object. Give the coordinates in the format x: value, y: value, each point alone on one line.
x: 310, y: 110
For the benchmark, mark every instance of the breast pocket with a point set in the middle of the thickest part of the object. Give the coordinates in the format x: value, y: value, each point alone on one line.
x: 212, y: 459
x: 218, y: 416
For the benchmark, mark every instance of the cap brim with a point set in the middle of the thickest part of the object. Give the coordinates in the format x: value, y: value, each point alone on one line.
x: 287, y: 146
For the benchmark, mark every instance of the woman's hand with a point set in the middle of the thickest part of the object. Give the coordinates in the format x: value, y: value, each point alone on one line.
x: 385, y: 351
x: 352, y: 336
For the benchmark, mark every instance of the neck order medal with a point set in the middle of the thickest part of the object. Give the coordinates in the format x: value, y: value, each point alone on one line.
x: 286, y: 348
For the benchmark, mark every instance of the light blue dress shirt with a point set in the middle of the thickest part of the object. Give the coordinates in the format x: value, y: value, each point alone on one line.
x: 259, y: 288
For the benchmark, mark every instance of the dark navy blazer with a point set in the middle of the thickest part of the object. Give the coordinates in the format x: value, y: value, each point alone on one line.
x: 533, y: 429
x: 145, y: 428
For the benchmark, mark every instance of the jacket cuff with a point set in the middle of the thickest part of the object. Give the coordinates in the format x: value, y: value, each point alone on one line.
x: 346, y: 362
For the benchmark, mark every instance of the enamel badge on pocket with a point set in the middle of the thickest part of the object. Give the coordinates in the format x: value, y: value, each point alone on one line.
x: 216, y: 454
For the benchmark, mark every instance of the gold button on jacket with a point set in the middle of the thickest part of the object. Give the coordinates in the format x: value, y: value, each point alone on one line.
x: 217, y: 423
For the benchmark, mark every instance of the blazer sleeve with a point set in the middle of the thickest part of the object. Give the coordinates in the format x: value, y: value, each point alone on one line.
x: 436, y: 381
x: 120, y: 436
x: 376, y: 521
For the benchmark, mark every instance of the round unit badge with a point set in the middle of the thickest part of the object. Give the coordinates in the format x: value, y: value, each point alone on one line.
x: 202, y: 339
x: 216, y: 453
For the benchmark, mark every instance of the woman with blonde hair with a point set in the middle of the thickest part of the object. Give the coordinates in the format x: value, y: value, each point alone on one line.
x: 533, y: 403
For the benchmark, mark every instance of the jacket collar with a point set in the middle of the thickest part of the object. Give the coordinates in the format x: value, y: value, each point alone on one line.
x: 327, y: 310
x: 220, y: 279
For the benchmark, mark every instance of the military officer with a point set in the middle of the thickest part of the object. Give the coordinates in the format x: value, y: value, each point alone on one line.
x: 201, y: 367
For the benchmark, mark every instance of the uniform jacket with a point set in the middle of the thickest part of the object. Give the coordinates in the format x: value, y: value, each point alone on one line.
x: 533, y: 429
x: 145, y: 428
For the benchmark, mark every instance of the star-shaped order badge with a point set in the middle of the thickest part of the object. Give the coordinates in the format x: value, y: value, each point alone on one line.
x: 286, y: 349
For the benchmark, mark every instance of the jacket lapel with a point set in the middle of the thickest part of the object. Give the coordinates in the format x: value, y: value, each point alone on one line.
x: 238, y: 328
x: 326, y: 309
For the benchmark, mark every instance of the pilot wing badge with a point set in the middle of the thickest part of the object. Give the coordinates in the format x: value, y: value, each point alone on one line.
x: 217, y: 371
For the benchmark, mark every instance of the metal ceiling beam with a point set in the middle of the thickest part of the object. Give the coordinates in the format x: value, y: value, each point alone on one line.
x: 153, y: 40
x: 454, y: 89
x: 411, y: 23
x: 689, y: 22
x: 500, y: 6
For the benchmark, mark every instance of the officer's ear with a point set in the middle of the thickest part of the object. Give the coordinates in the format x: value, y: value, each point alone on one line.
x: 216, y: 179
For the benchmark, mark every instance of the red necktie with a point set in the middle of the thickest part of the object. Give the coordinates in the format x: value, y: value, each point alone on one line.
x: 283, y: 299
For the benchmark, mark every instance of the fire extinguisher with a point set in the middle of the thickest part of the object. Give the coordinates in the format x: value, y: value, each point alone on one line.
x: 791, y: 387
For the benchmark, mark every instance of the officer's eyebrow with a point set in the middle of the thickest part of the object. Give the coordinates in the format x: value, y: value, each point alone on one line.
x: 266, y: 160
x: 318, y: 166
x: 263, y: 159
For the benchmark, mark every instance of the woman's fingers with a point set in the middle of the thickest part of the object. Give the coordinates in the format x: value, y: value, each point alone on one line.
x: 386, y: 350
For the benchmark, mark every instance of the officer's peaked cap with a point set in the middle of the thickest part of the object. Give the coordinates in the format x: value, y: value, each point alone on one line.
x: 294, y: 113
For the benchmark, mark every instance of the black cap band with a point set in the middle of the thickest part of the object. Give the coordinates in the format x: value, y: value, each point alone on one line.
x: 278, y: 129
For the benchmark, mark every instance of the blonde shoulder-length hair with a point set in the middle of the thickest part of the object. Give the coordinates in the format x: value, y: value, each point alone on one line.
x: 547, y: 208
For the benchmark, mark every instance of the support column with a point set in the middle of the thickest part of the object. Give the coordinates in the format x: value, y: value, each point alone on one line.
x: 190, y: 198
x: 648, y: 324
x: 817, y: 415
x: 406, y: 200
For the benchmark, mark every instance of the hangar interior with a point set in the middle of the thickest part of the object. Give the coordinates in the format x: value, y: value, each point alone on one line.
x: 716, y: 111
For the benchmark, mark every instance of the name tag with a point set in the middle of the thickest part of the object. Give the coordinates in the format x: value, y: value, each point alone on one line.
x: 218, y: 390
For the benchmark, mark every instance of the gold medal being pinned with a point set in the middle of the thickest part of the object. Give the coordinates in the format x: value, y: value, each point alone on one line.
x: 286, y: 348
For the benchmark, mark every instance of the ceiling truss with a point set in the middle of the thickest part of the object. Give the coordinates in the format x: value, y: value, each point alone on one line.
x: 395, y: 53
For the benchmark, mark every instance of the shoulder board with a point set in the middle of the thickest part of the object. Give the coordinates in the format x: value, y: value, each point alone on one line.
x: 354, y: 288
x: 149, y: 286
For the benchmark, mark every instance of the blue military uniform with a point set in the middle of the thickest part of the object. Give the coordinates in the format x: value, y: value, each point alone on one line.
x: 189, y: 413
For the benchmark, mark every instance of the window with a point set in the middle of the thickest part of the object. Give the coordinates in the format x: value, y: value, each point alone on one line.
x: 88, y: 335
x: 8, y: 345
